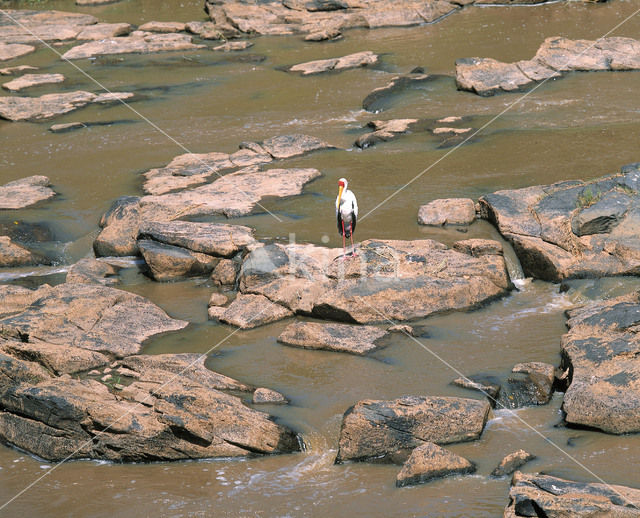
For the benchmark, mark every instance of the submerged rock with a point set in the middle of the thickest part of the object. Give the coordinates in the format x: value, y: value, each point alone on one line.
x: 388, y: 280
x: 372, y: 102
x: 88, y: 316
x: 451, y: 211
x: 29, y: 80
x: 359, y: 59
x: 25, y: 192
x: 139, y: 42
x: 572, y: 229
x: 429, y: 461
x: 556, y: 56
x: 544, y: 495
x: 333, y: 337
x: 601, y: 352
x: 387, y: 431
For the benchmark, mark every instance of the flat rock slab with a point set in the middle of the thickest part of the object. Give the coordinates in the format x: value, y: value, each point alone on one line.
x: 14, y: 50
x: 359, y: 59
x: 233, y: 195
x: 544, y: 495
x: 31, y: 26
x: 601, y: 352
x: 154, y: 26
x: 29, y: 80
x: 572, y: 229
x: 12, y: 71
x: 429, y: 461
x: 101, y: 31
x: 333, y: 337
x: 216, y: 239
x: 51, y: 105
x: 388, y: 280
x: 556, y: 56
x: 249, y: 311
x: 25, y: 192
x: 390, y: 430
x: 88, y: 316
x: 451, y: 211
x: 12, y: 254
x: 138, y: 42
x: 171, y: 408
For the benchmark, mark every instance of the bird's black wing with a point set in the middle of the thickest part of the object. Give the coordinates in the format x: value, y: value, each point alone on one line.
x: 339, y: 223
x: 353, y: 222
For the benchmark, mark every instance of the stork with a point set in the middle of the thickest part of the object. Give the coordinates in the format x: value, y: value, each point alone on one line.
x: 347, y: 214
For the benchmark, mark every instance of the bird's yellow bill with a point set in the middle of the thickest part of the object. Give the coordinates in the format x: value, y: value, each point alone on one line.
x: 340, y: 194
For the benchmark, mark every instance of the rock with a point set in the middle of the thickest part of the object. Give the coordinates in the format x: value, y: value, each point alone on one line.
x: 120, y: 227
x: 478, y: 247
x: 95, y: 2
x: 217, y: 299
x: 359, y: 59
x: 56, y: 358
x: 289, y: 146
x: 12, y: 71
x: 604, y: 371
x: 486, y: 76
x: 544, y: 495
x: 333, y: 337
x: 385, y: 131
x: 33, y: 26
x: 102, y: 31
x: 375, y: 100
x: 163, y: 27
x: 490, y: 386
x: 216, y: 239
x: 14, y: 299
x: 48, y: 106
x: 429, y: 461
x: 231, y: 46
x: 215, y: 312
x: 232, y: 195
x: 542, y: 376
x: 267, y: 396
x: 249, y: 311
x: 69, y: 126
x: 88, y: 316
x: 387, y: 431
x: 572, y: 229
x: 12, y: 254
x: 168, y: 262
x: 164, y: 415
x: 452, y: 211
x: 112, y: 97
x: 451, y: 131
x: 14, y: 50
x: 138, y: 42
x: 325, y: 33
x: 25, y: 192
x: 29, y: 80
x: 224, y: 274
x: 511, y: 463
x: 90, y: 270
x: 402, y: 328
x: 389, y: 280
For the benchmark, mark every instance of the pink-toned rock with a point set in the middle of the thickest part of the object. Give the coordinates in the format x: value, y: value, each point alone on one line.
x: 14, y: 50
x: 25, y: 192
x: 333, y: 337
x: 101, y: 31
x: 452, y: 211
x: 163, y: 27
x: 359, y: 59
x: 29, y: 80
x: 429, y: 461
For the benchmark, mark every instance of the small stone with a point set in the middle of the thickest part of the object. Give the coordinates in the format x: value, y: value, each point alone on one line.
x: 511, y: 463
x: 451, y: 131
x: 94, y: 372
x: 224, y: 274
x: 234, y: 46
x: 69, y: 126
x: 402, y: 328
x: 106, y: 377
x: 217, y: 299
x: 268, y: 396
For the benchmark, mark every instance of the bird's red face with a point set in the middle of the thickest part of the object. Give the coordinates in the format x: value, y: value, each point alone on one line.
x: 341, y: 184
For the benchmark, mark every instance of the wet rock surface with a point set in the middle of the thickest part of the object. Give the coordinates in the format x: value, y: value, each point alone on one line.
x: 375, y: 100
x: 333, y: 337
x: 25, y: 192
x: 359, y: 59
x: 429, y: 461
x: 511, y: 463
x: 90, y: 270
x: 545, y: 495
x: 12, y: 254
x: 29, y: 80
x: 601, y: 352
x: 51, y: 105
x: 88, y: 316
x: 572, y: 229
x: 387, y: 431
x: 387, y: 280
x: 555, y: 57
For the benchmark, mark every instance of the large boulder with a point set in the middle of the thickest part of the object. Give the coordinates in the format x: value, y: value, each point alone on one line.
x: 387, y: 431
x: 545, y: 495
x: 572, y: 229
x: 25, y: 192
x: 429, y: 461
x: 170, y: 408
x: 137, y: 42
x: 387, y: 280
x: 600, y: 351
x: 168, y: 262
x: 556, y: 56
x: 120, y: 227
x: 333, y: 337
x: 88, y: 316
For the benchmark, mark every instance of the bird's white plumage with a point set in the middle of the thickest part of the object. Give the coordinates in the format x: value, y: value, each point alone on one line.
x: 347, y: 204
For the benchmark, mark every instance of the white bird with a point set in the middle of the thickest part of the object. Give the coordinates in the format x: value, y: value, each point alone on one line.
x: 346, y: 214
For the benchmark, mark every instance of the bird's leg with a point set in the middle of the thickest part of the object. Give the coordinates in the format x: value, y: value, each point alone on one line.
x: 353, y: 248
x: 344, y: 243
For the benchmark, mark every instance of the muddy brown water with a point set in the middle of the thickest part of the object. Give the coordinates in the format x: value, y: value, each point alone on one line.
x: 583, y: 126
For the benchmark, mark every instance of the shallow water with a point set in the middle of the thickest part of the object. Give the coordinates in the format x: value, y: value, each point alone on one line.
x: 582, y: 126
